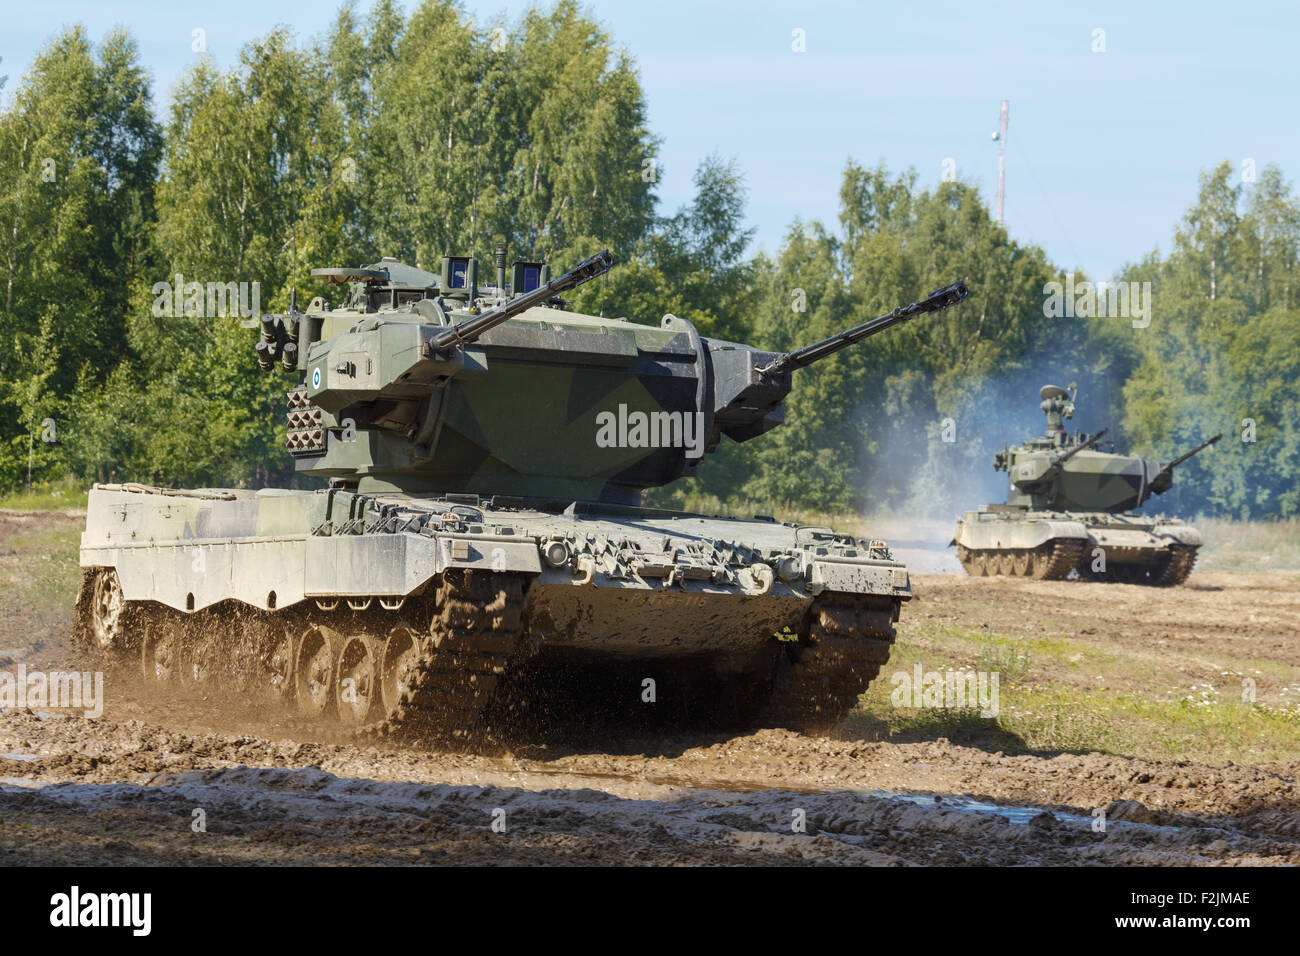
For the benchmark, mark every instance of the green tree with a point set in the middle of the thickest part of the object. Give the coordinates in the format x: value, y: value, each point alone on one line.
x: 79, y: 152
x: 1222, y: 350
x: 864, y: 428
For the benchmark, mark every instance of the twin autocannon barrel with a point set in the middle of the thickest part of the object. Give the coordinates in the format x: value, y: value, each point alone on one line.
x: 1078, y: 448
x: 273, y: 344
x: 1199, y: 448
x: 936, y: 301
x: 462, y: 333
x: 465, y: 332
x: 1164, y: 468
x: 1162, y: 478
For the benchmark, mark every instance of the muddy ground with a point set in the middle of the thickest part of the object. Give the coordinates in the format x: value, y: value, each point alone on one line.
x: 172, y: 780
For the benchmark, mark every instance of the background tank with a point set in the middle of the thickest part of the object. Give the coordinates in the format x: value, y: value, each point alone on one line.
x: 481, y: 547
x: 1071, y: 506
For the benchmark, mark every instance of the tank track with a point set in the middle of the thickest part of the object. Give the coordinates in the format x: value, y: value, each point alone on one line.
x: 477, y: 629
x: 1052, y: 561
x: 1065, y: 554
x: 451, y: 670
x: 1176, y: 570
x: 1171, y: 571
x: 461, y: 638
x: 819, y: 678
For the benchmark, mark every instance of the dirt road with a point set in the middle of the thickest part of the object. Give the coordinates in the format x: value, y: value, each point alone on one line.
x: 168, y: 780
x: 85, y: 792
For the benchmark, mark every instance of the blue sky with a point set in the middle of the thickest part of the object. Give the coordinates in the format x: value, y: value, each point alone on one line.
x: 1103, y: 151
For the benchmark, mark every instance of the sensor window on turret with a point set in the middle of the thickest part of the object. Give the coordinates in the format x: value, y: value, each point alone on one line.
x: 527, y: 277
x: 459, y: 273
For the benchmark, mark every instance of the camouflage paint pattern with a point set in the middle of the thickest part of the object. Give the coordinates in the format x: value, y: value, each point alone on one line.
x: 638, y: 580
x: 451, y: 448
x: 1058, y: 489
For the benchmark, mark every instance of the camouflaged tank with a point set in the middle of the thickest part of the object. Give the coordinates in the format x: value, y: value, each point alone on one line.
x: 1071, y: 507
x: 486, y: 450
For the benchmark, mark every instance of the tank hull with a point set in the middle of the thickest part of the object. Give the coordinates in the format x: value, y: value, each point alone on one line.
x: 389, y: 611
x: 1099, y: 546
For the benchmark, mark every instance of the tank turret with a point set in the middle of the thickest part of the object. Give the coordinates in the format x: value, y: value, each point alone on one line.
x: 1071, y: 506
x: 480, y: 554
x: 427, y: 383
x: 1068, y: 472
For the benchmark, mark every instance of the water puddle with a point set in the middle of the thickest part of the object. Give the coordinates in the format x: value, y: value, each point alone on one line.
x: 1014, y: 814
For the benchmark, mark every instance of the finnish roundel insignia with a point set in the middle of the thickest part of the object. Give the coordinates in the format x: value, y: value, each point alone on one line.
x: 315, y: 378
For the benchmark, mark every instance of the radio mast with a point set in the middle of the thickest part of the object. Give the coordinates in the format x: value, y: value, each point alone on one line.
x: 1000, y: 137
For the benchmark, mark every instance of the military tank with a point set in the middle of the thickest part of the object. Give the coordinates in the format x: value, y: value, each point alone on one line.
x: 485, y: 451
x: 1072, y: 507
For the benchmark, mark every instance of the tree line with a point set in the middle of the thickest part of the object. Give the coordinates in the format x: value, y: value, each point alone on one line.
x: 410, y: 135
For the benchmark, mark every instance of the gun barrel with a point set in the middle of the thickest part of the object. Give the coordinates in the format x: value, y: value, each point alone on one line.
x: 1199, y: 448
x: 462, y: 333
x: 936, y: 301
x: 1078, y: 448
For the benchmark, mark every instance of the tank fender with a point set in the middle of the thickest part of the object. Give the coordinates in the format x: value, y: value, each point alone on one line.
x: 861, y: 578
x: 488, y: 552
x: 193, y: 575
x: 1180, y: 533
x: 400, y: 564
x: 982, y: 530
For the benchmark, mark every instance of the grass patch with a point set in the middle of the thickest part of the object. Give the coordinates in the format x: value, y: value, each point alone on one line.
x: 1204, y: 730
x: 65, y: 495
x: 1009, y: 662
x: 1050, y: 698
x: 956, y: 646
x: 1238, y: 667
x: 1074, y: 720
x: 1249, y: 545
x: 39, y: 576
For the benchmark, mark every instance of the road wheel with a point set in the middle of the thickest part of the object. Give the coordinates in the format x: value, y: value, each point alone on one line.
x: 399, y: 667
x: 110, y: 616
x: 356, y: 679
x: 1020, y: 564
x: 314, y: 673
x: 278, y: 672
x: 1040, y: 561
